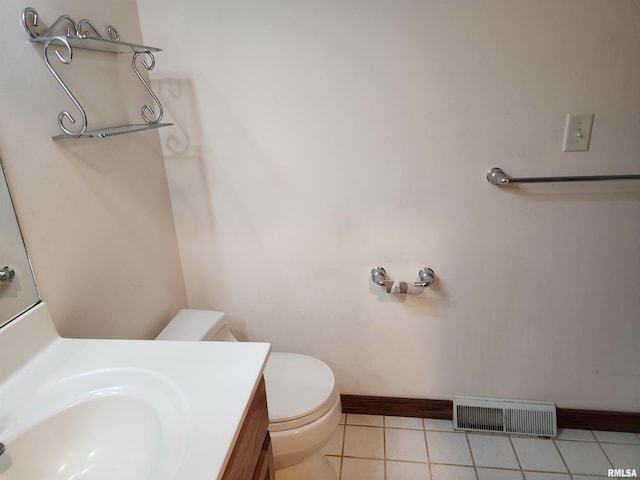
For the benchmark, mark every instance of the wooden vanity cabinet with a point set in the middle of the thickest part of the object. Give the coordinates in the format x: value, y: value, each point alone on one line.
x: 252, y: 457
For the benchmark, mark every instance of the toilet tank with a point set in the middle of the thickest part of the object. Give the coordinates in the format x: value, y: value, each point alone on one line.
x: 197, y: 325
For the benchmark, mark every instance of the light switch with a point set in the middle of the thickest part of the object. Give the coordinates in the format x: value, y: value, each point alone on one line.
x: 577, y: 132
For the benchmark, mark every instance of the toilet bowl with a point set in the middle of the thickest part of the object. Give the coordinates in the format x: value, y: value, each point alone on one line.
x: 302, y: 398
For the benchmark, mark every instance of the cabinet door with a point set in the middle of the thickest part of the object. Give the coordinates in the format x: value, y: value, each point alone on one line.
x: 264, y: 468
x: 250, y: 444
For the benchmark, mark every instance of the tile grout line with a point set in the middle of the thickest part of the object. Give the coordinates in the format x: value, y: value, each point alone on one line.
x: 564, y: 462
x: 515, y: 454
x: 426, y: 444
x: 344, y: 437
x: 384, y: 445
x: 602, y: 449
x: 473, y: 458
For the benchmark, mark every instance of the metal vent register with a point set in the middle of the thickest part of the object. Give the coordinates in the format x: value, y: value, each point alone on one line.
x: 481, y: 414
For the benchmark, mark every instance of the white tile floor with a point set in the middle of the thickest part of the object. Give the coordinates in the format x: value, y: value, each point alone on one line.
x: 371, y: 447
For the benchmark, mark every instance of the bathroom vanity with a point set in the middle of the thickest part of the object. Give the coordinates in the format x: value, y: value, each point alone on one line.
x: 130, y: 409
x: 252, y: 457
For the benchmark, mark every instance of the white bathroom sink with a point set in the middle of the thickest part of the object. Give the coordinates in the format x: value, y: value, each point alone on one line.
x: 107, y: 424
x: 75, y: 409
x: 94, y: 439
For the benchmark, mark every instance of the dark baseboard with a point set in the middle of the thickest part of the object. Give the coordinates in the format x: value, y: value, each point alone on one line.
x: 397, y: 407
x: 443, y: 409
x: 598, y: 420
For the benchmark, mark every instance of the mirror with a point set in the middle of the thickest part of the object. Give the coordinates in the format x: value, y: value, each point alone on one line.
x: 18, y: 290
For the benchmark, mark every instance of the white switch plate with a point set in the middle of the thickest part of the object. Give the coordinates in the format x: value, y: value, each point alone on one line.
x: 577, y: 132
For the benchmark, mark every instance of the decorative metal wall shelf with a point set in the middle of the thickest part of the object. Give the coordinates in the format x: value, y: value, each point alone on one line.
x: 61, y: 38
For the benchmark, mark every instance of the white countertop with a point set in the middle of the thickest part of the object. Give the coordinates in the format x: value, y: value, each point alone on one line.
x: 204, y: 387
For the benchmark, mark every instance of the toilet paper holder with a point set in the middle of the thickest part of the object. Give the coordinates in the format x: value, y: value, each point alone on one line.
x: 426, y: 277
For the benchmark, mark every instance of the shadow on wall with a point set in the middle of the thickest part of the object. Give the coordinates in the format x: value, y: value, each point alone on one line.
x: 187, y: 177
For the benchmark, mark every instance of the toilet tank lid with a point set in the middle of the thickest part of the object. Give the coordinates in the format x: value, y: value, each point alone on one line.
x: 194, y: 325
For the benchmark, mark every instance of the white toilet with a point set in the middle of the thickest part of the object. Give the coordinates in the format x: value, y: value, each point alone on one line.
x: 302, y: 398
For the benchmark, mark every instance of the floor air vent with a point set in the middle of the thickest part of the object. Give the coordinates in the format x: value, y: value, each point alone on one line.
x: 480, y: 414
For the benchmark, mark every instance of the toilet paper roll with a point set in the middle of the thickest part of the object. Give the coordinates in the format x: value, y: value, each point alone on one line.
x: 398, y: 287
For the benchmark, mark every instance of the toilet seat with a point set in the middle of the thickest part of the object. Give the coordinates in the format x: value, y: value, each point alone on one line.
x: 300, y: 389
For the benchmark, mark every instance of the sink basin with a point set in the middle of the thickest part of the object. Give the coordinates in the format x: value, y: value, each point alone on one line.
x: 91, y: 426
x: 89, y: 440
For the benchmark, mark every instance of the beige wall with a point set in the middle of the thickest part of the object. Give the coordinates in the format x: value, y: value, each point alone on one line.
x: 320, y: 139
x: 95, y: 213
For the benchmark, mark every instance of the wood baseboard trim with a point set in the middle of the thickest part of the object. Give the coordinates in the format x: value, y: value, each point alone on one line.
x: 397, y: 407
x: 443, y: 410
x: 598, y: 420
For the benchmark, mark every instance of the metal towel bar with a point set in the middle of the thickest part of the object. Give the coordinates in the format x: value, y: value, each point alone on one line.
x: 497, y: 176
